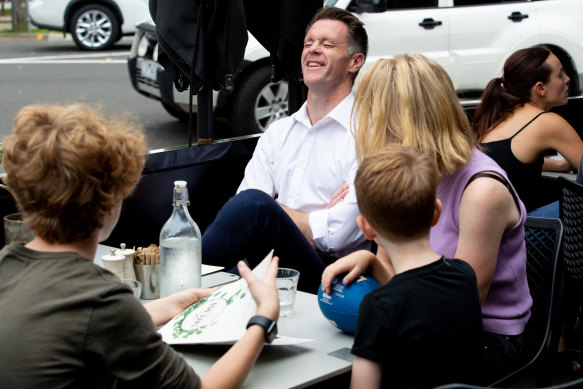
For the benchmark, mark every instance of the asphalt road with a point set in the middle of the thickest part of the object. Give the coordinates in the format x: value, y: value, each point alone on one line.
x: 56, y: 72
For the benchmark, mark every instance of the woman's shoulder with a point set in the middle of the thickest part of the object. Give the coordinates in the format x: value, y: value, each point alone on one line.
x: 550, y: 130
x: 550, y: 122
x: 491, y: 201
x: 544, y: 120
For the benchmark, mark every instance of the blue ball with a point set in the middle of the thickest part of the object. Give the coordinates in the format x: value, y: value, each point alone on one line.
x: 341, y: 307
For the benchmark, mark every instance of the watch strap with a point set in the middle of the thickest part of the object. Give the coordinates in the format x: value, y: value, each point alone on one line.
x: 268, y: 325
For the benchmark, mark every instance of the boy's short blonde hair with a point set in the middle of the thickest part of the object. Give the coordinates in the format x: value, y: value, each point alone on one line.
x: 68, y: 166
x: 395, y: 189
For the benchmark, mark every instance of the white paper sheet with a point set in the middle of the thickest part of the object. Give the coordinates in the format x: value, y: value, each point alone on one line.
x: 221, y: 317
x: 208, y: 269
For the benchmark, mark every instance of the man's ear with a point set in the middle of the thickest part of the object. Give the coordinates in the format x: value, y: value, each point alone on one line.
x: 436, y: 212
x: 366, y: 228
x: 357, y: 60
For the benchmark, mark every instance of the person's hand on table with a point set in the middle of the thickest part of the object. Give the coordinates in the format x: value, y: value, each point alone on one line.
x: 264, y: 291
x: 165, y: 308
x: 354, y: 264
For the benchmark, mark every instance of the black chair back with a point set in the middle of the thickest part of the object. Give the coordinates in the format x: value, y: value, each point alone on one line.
x: 544, y: 271
x: 571, y: 214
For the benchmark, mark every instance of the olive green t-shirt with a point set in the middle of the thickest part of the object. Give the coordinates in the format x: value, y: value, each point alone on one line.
x: 66, y: 322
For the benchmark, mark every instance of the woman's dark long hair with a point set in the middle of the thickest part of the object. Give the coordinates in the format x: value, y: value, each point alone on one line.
x: 503, y: 95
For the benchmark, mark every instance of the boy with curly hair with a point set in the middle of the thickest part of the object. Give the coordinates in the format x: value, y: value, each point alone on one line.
x: 67, y: 322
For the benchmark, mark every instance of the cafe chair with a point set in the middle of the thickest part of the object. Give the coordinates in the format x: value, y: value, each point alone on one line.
x: 571, y: 215
x: 544, y: 272
x: 578, y: 383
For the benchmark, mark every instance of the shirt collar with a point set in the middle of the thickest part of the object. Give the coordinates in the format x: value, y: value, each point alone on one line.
x: 341, y: 113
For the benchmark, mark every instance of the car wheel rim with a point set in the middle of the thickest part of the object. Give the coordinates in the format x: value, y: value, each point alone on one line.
x: 271, y: 104
x: 93, y: 28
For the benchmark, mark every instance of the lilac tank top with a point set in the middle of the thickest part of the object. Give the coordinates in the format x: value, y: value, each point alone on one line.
x: 506, y: 309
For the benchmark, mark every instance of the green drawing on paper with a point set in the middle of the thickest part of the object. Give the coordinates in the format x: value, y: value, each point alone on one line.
x: 203, y: 314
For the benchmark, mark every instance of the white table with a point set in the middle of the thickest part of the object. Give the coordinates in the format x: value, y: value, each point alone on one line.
x: 281, y: 366
x: 287, y: 366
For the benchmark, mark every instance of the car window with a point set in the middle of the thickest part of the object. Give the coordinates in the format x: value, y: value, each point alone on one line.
x: 383, y: 5
x: 399, y: 4
x: 482, y: 2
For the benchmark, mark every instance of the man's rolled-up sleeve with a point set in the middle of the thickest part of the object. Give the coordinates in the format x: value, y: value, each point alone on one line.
x: 335, y: 229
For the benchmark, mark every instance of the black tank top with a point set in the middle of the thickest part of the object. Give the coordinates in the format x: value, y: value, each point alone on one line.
x: 525, y: 177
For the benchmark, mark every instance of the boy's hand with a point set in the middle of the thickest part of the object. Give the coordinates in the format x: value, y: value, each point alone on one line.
x: 165, y: 308
x: 355, y: 264
x: 185, y: 298
x: 264, y: 291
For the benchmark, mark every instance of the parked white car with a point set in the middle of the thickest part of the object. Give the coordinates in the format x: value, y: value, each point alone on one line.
x: 93, y: 24
x: 471, y: 39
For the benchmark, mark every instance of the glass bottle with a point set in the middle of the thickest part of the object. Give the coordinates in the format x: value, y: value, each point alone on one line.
x: 180, y: 247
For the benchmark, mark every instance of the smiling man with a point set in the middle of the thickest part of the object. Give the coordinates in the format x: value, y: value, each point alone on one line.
x: 297, y: 194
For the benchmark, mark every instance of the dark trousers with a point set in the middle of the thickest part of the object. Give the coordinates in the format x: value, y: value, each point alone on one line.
x: 252, y: 223
x: 500, y: 357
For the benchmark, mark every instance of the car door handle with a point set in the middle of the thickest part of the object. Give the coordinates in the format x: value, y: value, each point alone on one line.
x: 429, y: 23
x: 517, y: 16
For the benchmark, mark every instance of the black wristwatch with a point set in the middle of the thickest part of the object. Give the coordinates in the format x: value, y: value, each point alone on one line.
x: 269, y: 325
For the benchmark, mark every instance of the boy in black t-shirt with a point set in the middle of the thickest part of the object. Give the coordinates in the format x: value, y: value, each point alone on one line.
x: 422, y: 327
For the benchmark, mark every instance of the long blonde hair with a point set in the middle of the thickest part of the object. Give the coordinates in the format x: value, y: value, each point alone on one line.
x: 410, y: 100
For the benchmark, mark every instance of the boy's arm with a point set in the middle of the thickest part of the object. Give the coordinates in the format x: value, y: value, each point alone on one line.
x: 231, y: 370
x: 365, y: 374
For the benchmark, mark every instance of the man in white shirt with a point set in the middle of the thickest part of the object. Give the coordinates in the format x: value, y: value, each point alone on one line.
x: 297, y: 194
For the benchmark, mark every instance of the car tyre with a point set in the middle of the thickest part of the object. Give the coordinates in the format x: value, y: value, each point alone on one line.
x: 95, y: 27
x: 258, y: 102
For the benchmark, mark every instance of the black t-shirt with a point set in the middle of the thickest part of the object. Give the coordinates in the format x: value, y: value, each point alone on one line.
x: 424, y: 326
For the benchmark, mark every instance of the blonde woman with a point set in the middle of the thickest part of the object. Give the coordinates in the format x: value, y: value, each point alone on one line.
x: 410, y: 100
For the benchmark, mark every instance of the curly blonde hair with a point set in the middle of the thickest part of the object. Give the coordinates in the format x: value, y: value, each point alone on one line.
x: 410, y: 100
x: 68, y: 166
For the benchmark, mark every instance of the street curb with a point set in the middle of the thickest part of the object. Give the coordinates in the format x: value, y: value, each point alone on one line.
x: 33, y: 37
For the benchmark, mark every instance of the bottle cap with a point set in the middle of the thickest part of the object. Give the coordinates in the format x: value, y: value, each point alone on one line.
x: 180, y: 185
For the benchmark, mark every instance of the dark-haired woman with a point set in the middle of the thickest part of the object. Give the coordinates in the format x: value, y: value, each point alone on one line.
x: 517, y: 130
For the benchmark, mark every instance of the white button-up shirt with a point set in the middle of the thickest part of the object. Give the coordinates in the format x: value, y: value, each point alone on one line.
x: 301, y: 166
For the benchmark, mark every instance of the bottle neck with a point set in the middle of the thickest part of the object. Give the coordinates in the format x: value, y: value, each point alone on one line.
x: 180, y: 199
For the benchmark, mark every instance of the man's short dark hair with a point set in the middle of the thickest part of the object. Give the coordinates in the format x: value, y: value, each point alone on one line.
x: 357, y: 37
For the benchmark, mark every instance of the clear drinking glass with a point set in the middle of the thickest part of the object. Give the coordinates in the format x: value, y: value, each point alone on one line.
x: 287, y: 286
